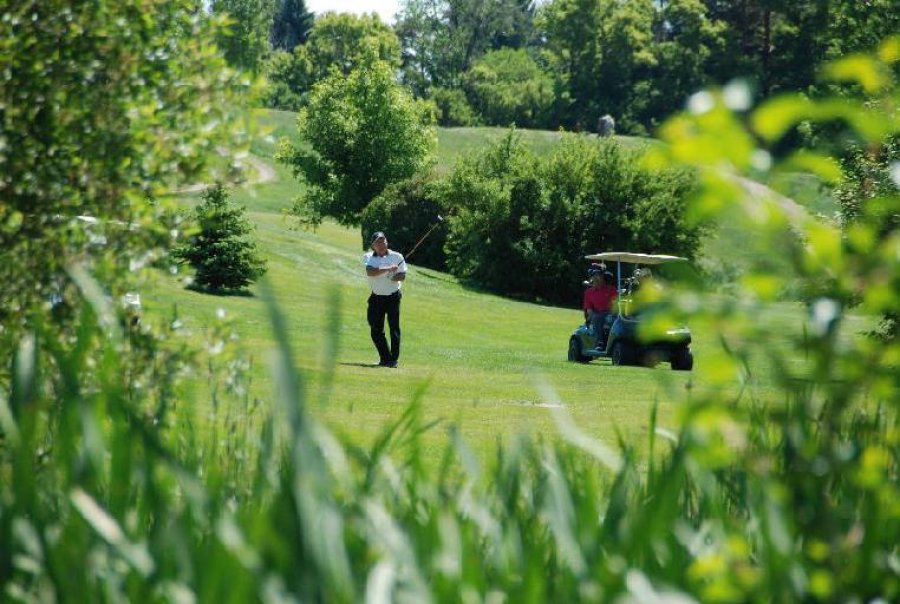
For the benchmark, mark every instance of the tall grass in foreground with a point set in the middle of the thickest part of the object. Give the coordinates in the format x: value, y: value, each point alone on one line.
x: 108, y: 497
x: 108, y: 494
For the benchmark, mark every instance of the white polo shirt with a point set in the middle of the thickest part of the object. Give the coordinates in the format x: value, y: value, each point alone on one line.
x: 382, y: 284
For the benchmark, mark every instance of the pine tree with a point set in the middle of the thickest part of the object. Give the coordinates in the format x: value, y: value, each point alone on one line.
x: 221, y: 253
x: 291, y: 24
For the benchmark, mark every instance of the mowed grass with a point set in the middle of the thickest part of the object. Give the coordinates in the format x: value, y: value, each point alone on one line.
x: 452, y: 144
x: 493, y: 367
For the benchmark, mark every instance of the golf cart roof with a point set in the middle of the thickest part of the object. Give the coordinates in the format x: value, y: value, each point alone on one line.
x: 633, y: 257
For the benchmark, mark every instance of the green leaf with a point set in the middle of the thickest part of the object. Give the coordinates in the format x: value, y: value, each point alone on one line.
x: 110, y: 531
x: 825, y: 167
x: 862, y: 69
x: 889, y: 51
x: 776, y: 116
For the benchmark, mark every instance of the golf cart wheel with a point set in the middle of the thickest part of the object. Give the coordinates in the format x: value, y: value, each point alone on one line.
x: 622, y: 353
x: 575, y: 355
x: 683, y: 360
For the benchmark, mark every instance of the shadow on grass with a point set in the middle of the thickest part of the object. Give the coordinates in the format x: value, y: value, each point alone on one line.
x: 436, y: 276
x: 366, y: 365
x: 472, y: 285
x: 225, y: 293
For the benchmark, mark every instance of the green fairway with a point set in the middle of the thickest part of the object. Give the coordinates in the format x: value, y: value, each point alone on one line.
x: 452, y: 142
x: 480, y: 358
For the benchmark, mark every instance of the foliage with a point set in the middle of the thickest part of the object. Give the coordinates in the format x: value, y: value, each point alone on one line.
x: 285, y: 82
x: 111, y: 492
x: 442, y: 39
x: 365, y: 133
x: 869, y: 177
x: 408, y: 211
x: 514, y: 212
x: 805, y: 33
x: 871, y: 180
x: 99, y: 111
x: 841, y: 399
x: 506, y: 87
x: 224, y: 257
x: 343, y: 41
x: 500, y: 222
x: 687, y: 40
x: 639, y: 61
x: 603, y: 54
x: 245, y: 42
x: 453, y: 107
x: 96, y: 442
x: 291, y: 24
x: 338, y: 42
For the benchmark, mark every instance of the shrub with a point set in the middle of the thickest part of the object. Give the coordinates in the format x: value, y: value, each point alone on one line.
x: 407, y: 211
x: 278, y: 95
x: 502, y: 226
x: 625, y: 205
x: 223, y: 256
x: 453, y: 107
x: 506, y: 87
x: 514, y: 212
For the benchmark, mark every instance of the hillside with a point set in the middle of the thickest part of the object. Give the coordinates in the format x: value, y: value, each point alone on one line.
x: 476, y: 358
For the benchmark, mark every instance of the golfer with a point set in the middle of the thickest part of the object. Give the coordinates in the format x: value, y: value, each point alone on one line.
x: 386, y: 270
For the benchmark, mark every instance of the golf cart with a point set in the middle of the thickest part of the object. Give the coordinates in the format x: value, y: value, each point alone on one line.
x: 622, y: 344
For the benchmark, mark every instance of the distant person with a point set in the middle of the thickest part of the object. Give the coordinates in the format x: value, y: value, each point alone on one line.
x: 606, y: 125
x: 598, y: 302
x: 386, y: 269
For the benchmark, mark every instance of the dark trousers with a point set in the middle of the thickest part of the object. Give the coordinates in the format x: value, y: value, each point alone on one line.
x: 379, y: 307
x: 598, y: 322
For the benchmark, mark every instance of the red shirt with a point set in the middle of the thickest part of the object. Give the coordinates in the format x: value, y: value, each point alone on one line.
x: 599, y: 299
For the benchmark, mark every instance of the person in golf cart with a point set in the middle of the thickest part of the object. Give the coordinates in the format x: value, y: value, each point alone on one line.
x: 598, y: 303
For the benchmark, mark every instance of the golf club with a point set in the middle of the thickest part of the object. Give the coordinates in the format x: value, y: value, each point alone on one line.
x: 419, y: 242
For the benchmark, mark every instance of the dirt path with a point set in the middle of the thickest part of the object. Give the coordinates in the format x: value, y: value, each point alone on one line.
x: 263, y: 173
x: 796, y: 214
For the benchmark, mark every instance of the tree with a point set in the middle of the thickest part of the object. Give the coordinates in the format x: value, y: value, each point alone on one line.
x: 780, y: 44
x: 572, y: 53
x: 860, y: 26
x: 221, y: 252
x: 363, y: 132
x: 291, y: 24
x: 246, y: 41
x: 423, y: 44
x: 441, y: 39
x: 100, y: 112
x: 507, y: 87
x: 686, y: 40
x: 287, y: 81
x: 343, y: 41
x: 337, y: 42
x: 625, y: 64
